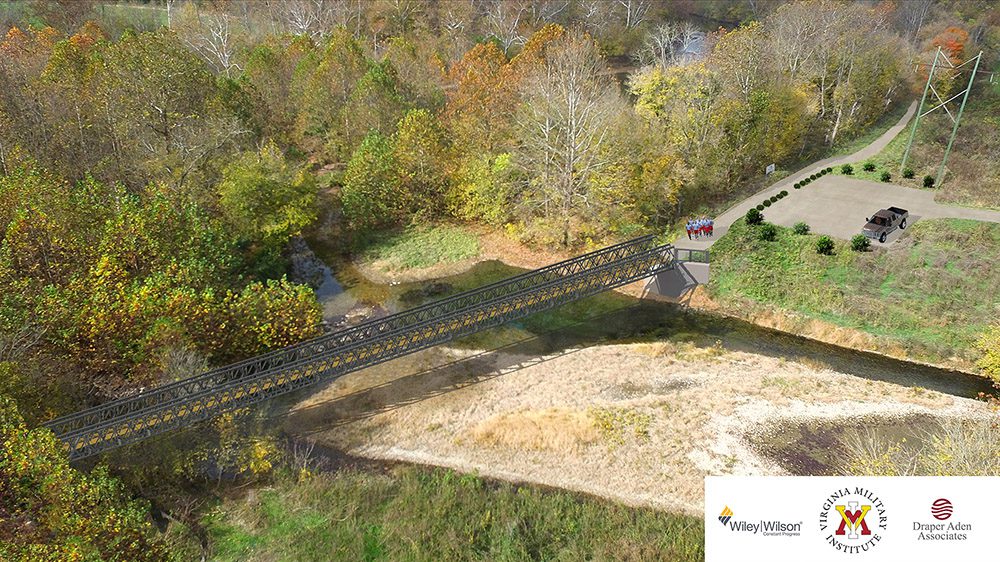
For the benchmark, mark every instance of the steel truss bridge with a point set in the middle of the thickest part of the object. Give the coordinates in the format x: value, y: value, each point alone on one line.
x: 327, y: 357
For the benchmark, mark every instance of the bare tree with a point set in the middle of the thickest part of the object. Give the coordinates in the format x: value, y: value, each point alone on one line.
x: 546, y: 11
x: 912, y: 15
x: 15, y: 344
x: 564, y: 127
x: 668, y: 44
x: 504, y: 19
x: 315, y: 18
x: 595, y: 14
x: 214, y: 35
x: 792, y: 38
x: 635, y: 12
x: 454, y: 22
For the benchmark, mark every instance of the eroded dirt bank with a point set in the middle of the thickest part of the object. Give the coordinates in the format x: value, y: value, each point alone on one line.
x: 638, y: 423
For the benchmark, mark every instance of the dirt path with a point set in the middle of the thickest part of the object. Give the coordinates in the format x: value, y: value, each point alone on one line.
x: 641, y: 423
x: 726, y: 219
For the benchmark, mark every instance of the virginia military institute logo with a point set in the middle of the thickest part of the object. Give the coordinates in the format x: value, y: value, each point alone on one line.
x: 852, y: 520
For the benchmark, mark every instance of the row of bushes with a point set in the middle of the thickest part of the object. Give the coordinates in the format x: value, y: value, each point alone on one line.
x: 813, y: 177
x: 771, y: 200
x: 824, y: 244
x: 885, y: 176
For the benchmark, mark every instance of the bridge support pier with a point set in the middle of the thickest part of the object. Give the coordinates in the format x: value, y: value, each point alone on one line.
x: 674, y: 283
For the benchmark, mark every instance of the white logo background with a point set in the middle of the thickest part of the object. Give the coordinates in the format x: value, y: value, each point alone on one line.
x: 976, y: 500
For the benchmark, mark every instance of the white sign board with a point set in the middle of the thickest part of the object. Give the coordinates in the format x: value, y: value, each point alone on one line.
x: 770, y: 169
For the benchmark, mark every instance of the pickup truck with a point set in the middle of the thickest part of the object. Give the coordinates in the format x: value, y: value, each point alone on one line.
x: 882, y: 223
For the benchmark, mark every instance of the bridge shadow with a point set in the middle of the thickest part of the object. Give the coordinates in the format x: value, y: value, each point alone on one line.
x: 435, y: 381
x: 446, y: 376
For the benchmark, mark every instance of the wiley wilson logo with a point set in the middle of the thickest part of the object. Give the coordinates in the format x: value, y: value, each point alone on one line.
x: 726, y: 515
x: 761, y: 527
x: 853, y: 520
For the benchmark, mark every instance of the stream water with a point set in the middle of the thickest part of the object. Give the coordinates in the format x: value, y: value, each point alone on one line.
x: 348, y: 297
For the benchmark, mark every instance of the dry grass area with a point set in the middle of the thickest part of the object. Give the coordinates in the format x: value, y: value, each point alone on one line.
x: 638, y: 423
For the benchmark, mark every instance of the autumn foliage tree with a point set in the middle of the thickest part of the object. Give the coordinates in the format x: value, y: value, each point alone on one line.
x: 52, y: 512
x: 265, y: 198
x: 118, y: 278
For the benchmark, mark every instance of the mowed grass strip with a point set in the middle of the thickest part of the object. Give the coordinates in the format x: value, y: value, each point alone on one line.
x: 934, y: 291
x: 419, y: 247
x: 436, y: 515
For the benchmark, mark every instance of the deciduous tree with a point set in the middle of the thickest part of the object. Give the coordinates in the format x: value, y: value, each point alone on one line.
x: 371, y: 194
x: 50, y: 511
x: 265, y: 198
x: 564, y: 128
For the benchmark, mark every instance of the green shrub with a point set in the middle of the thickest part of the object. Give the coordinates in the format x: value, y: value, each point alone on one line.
x: 813, y: 177
x: 847, y: 169
x: 767, y: 202
x: 754, y: 217
x: 928, y: 181
x: 908, y: 173
x: 828, y: 170
x: 822, y: 172
x: 797, y: 185
x: 773, y: 199
x: 860, y: 243
x: 886, y: 176
x: 767, y: 232
x: 824, y: 245
x: 800, y: 228
x: 783, y: 193
x: 760, y: 207
x: 869, y: 167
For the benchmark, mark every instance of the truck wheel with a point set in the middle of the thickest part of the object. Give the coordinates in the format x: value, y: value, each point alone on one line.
x: 882, y: 238
x: 902, y: 224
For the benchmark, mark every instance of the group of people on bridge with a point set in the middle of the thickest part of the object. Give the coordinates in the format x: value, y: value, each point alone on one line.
x: 696, y: 228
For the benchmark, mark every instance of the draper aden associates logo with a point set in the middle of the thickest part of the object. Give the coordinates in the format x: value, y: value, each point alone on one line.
x: 773, y: 528
x: 941, y: 509
x: 853, y: 520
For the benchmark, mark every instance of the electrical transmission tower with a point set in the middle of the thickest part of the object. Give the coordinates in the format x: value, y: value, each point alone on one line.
x: 943, y: 63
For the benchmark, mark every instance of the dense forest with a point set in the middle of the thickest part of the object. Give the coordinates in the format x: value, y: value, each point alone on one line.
x: 156, y: 159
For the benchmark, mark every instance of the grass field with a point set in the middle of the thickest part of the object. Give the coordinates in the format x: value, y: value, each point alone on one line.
x: 438, y: 515
x: 419, y: 247
x: 112, y: 16
x: 934, y: 292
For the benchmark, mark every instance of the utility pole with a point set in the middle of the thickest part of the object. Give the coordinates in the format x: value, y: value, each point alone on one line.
x: 920, y: 111
x: 958, y: 119
x: 945, y: 63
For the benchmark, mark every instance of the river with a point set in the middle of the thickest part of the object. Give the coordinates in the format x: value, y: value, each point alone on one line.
x: 347, y: 297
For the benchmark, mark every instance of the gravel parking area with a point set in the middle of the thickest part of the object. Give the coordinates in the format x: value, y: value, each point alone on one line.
x: 839, y: 206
